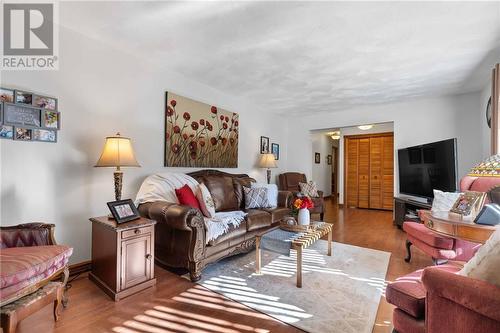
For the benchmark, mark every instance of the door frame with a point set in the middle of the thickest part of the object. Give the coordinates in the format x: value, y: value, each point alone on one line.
x: 358, y: 136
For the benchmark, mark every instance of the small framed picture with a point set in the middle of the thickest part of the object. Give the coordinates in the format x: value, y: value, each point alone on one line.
x: 317, y: 158
x: 123, y: 210
x: 6, y: 95
x: 44, y: 135
x: 275, y: 149
x: 329, y: 159
x: 23, y: 97
x: 21, y: 115
x: 51, y: 119
x: 47, y: 103
x: 23, y: 134
x: 6, y: 132
x: 469, y: 203
x: 264, y: 145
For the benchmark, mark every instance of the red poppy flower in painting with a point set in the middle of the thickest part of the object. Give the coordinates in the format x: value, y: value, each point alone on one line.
x: 170, y: 111
x: 202, y: 143
x: 224, y: 141
x: 186, y: 116
x: 224, y: 125
x: 231, y: 141
x: 193, y: 146
x: 221, y: 117
x: 194, y: 125
x: 226, y: 119
x: 210, y: 127
x: 173, y: 103
x: 176, y: 148
x: 202, y: 122
x: 193, y: 155
x: 177, y: 129
x: 213, y: 141
x: 213, y: 109
x: 184, y: 136
x: 236, y: 123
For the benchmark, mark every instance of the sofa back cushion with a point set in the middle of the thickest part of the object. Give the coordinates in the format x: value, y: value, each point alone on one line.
x: 222, y: 189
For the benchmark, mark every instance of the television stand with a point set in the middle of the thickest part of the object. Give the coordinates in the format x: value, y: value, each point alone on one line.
x: 405, y: 209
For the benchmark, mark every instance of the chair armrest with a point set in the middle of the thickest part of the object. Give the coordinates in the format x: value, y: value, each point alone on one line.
x: 176, y: 216
x: 28, y: 234
x: 476, y: 295
x: 285, y: 199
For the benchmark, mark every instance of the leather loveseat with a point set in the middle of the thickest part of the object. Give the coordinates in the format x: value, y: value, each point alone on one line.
x: 180, y: 235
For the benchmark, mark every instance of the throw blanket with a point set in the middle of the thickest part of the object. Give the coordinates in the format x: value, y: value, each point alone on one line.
x: 220, y: 223
x: 161, y: 187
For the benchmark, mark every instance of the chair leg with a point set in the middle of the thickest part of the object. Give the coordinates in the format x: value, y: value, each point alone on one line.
x: 9, y: 323
x: 321, y: 216
x: 394, y: 331
x: 64, y: 281
x: 57, y: 302
x: 408, y: 251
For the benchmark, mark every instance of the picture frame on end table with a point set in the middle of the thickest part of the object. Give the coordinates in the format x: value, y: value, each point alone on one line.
x: 123, y: 210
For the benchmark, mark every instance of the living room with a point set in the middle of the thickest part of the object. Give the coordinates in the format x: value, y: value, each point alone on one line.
x: 280, y: 75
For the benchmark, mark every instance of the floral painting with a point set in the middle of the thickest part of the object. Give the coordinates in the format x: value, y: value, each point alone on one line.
x: 199, y: 135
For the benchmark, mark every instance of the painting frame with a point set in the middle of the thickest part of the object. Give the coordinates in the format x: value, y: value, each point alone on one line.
x: 19, y: 136
x: 199, y: 135
x: 275, y: 150
x: 133, y: 213
x: 264, y: 145
x: 4, y: 129
x: 37, y: 99
x: 317, y: 158
x: 43, y: 139
x: 329, y: 159
x: 7, y: 109
x: 3, y: 94
x: 23, y: 97
x: 44, y: 119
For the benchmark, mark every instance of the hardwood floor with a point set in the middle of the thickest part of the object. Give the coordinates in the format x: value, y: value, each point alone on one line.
x: 177, y: 305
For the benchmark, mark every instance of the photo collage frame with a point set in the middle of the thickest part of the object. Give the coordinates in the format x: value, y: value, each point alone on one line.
x: 27, y: 116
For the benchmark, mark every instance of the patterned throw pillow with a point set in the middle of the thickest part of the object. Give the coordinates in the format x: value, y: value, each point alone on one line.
x: 272, y: 193
x: 309, y: 189
x: 443, y: 201
x: 206, y: 201
x: 256, y: 197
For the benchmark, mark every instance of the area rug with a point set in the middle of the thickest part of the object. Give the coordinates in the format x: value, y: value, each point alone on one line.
x: 340, y: 293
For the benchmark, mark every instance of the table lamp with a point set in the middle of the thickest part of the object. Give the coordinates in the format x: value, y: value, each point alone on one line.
x: 268, y: 161
x: 117, y: 152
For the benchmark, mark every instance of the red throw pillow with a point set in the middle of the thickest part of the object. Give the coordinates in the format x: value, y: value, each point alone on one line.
x: 186, y: 197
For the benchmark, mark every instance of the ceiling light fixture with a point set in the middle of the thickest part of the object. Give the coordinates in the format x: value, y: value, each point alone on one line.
x: 365, y: 127
x: 334, y: 135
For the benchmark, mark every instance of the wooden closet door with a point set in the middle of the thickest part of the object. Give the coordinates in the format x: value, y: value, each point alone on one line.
x: 388, y: 172
x: 351, y: 172
x: 376, y: 172
x: 364, y: 173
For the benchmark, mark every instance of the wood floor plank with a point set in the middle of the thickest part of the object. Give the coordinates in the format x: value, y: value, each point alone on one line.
x: 177, y: 305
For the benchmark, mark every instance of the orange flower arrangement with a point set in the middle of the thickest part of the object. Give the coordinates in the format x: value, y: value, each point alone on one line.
x: 302, y: 203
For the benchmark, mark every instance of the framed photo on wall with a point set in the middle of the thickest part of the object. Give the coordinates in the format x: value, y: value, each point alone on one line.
x: 275, y: 149
x: 24, y: 97
x: 6, y: 95
x: 264, y: 145
x: 317, y: 158
x: 123, y: 210
x: 329, y: 159
x: 47, y: 103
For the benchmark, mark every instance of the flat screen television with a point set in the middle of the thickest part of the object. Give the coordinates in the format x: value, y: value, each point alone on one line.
x: 427, y: 167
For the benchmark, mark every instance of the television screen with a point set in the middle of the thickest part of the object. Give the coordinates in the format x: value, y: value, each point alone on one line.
x: 427, y: 167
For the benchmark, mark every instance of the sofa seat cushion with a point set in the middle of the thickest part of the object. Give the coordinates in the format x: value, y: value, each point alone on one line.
x: 277, y: 214
x: 22, y: 267
x: 233, y: 232
x: 257, y: 219
x: 408, y: 292
x: 424, y: 234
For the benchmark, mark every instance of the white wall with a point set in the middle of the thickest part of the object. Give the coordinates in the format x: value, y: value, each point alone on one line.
x: 415, y: 122
x: 322, y: 172
x: 102, y: 91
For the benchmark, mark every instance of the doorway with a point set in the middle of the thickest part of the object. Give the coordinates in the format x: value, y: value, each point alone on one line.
x: 335, y: 171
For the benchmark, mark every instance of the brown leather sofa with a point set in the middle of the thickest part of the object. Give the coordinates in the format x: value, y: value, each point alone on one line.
x: 180, y: 230
x: 289, y: 181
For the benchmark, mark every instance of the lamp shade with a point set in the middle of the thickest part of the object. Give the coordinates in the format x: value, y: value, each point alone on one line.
x: 268, y: 161
x: 117, y: 152
x: 488, y: 168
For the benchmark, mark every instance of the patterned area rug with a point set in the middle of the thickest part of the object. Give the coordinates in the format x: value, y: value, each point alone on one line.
x: 340, y: 293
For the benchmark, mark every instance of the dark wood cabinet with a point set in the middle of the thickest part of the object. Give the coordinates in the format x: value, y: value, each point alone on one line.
x: 122, y: 256
x: 407, y: 210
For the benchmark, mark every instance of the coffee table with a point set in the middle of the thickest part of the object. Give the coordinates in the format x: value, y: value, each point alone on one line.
x: 298, y: 241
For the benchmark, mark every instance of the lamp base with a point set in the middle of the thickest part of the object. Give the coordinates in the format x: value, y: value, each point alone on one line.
x: 118, y: 177
x: 269, y: 176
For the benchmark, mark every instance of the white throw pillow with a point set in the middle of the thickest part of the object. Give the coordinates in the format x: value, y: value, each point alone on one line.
x: 206, y: 201
x: 256, y: 197
x: 272, y: 193
x: 485, y: 265
x: 309, y: 189
x: 443, y: 201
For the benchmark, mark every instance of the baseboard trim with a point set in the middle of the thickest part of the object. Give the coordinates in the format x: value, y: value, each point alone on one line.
x: 79, y: 268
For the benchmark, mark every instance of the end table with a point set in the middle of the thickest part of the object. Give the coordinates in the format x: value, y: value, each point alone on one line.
x: 122, y: 256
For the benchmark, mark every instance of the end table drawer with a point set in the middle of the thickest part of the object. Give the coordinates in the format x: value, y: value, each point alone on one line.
x: 136, y: 232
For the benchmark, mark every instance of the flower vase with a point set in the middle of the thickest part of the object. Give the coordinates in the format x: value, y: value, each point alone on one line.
x: 304, y: 216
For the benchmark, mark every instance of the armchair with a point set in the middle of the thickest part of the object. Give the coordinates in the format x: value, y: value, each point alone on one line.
x: 289, y: 181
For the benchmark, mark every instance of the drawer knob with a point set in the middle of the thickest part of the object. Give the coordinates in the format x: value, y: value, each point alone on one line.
x: 148, y: 256
x: 137, y: 231
x: 430, y: 224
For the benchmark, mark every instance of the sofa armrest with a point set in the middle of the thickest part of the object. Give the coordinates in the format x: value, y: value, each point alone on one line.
x: 285, y: 199
x: 476, y: 295
x: 28, y: 234
x: 176, y: 216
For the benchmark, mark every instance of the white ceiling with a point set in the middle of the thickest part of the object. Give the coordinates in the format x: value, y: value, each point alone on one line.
x: 306, y: 57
